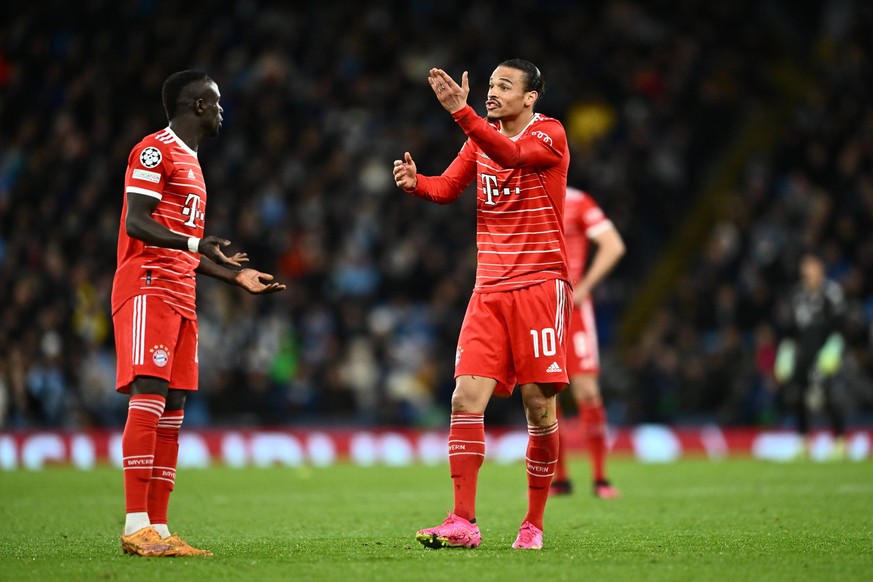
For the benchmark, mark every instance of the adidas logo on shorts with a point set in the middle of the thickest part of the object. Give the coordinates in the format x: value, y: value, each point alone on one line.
x: 554, y: 367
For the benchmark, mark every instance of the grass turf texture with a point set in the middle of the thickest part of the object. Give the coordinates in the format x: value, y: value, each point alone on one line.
x: 692, y: 520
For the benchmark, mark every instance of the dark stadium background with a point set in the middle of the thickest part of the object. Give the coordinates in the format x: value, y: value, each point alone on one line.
x: 721, y: 138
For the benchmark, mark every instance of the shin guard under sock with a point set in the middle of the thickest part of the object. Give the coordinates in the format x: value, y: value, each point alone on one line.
x: 466, y: 454
x: 542, y: 455
x: 164, y: 471
x: 138, y: 448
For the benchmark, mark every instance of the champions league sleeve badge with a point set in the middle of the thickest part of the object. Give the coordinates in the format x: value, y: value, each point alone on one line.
x: 150, y: 157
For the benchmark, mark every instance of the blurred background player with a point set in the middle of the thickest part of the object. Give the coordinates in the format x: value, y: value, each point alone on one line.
x: 161, y: 248
x: 810, y: 352
x: 513, y: 331
x: 584, y: 223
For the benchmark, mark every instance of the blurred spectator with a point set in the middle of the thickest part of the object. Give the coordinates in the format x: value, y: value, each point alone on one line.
x: 813, y: 190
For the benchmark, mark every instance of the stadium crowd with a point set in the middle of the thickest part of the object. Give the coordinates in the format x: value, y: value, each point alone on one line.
x: 812, y: 191
x: 320, y: 99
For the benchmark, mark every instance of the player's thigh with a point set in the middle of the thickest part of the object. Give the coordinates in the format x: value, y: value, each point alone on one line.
x: 146, y: 335
x: 185, y: 374
x: 538, y: 331
x: 483, y: 344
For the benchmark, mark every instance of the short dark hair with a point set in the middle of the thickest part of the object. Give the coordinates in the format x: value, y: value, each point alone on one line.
x: 175, y: 84
x: 815, y: 254
x: 533, y: 79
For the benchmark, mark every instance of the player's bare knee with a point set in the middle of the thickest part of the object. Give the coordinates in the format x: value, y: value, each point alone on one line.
x: 585, y: 389
x: 472, y: 394
x: 540, y: 403
x: 464, y: 401
x: 176, y: 399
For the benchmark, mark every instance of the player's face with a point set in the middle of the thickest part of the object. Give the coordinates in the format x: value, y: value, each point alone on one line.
x: 212, y: 110
x: 506, y: 94
x: 812, y: 272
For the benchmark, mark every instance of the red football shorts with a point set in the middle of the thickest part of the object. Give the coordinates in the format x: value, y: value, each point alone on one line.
x: 516, y: 337
x: 152, y: 339
x: 583, y: 353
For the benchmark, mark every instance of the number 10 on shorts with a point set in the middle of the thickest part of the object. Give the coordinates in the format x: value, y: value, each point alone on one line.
x: 544, y: 339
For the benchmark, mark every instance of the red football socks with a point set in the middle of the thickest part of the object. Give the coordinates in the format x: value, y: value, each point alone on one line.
x: 164, y: 469
x: 138, y: 448
x: 466, y: 453
x: 542, y: 455
x: 593, y: 419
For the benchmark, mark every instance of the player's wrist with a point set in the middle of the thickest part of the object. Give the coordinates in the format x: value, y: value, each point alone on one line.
x: 462, y: 111
x: 194, y: 244
x: 238, y: 278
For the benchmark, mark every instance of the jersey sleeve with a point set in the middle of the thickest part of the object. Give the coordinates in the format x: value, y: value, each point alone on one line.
x: 449, y: 185
x: 592, y: 218
x: 541, y: 147
x: 147, y: 170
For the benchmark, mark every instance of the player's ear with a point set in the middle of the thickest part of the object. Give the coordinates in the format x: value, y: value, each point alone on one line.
x: 531, y: 98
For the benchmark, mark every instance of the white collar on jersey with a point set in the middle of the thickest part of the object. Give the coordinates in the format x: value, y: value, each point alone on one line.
x: 523, y: 129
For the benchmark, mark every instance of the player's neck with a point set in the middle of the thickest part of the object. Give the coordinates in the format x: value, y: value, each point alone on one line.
x: 190, y: 137
x: 513, y: 126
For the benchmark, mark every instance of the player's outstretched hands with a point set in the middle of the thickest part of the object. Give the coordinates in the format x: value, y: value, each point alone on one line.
x: 404, y: 173
x: 452, y: 96
x: 211, y: 247
x: 257, y: 283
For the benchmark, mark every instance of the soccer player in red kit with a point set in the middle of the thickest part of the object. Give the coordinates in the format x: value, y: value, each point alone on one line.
x: 514, y: 329
x: 161, y: 248
x: 585, y: 222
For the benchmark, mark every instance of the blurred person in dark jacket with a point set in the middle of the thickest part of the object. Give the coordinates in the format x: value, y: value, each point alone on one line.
x: 810, y: 352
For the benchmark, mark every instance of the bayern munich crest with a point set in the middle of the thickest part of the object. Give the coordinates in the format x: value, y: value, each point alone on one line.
x: 160, y: 356
x: 150, y: 157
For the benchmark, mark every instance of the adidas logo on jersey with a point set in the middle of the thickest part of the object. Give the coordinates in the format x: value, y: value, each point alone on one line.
x: 554, y: 367
x: 190, y: 174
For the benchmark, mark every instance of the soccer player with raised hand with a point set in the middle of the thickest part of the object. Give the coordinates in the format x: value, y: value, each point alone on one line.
x: 514, y: 330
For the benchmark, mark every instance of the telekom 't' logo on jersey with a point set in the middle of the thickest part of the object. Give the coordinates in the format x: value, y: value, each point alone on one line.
x: 492, y: 191
x: 193, y: 209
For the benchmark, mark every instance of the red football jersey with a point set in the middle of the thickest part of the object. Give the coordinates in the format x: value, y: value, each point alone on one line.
x: 583, y: 220
x: 162, y: 166
x: 521, y: 183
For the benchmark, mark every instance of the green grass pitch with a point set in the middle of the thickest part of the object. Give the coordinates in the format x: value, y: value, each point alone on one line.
x: 694, y: 520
